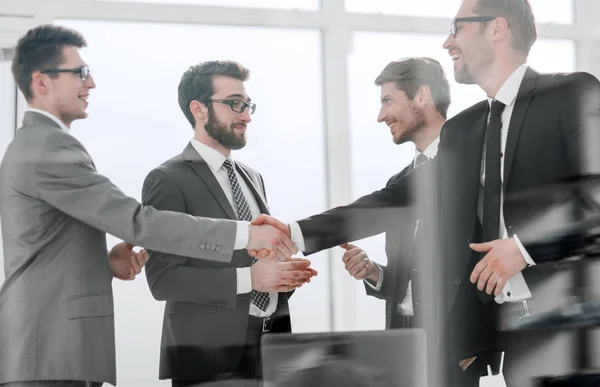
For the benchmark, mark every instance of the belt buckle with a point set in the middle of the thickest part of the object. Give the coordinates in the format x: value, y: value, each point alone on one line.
x: 266, y: 324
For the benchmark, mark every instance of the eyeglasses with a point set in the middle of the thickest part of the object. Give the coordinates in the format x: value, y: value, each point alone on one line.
x: 236, y: 105
x: 83, y: 71
x: 478, y: 19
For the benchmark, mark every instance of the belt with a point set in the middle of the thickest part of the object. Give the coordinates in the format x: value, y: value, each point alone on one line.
x: 266, y: 323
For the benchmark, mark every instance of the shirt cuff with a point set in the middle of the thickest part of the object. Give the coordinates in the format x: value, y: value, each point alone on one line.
x: 244, y: 280
x: 528, y: 259
x: 296, y: 236
x: 241, y: 235
x: 379, y: 282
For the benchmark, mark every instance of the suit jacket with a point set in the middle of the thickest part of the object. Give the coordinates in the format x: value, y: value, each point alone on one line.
x: 400, y: 266
x: 205, y: 320
x: 56, y: 304
x: 554, y: 119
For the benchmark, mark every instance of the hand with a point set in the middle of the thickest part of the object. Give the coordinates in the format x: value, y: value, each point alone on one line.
x: 125, y: 263
x: 273, y: 276
x: 358, y: 263
x: 264, y: 253
x: 502, y: 261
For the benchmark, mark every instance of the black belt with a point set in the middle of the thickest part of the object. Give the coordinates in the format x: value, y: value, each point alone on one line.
x: 264, y: 324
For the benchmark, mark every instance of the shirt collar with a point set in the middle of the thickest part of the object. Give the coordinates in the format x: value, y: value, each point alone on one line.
x: 51, y: 116
x: 213, y: 157
x: 510, y: 88
x: 430, y: 151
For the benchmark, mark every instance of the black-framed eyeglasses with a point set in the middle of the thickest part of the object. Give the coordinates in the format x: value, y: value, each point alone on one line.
x: 236, y: 105
x: 83, y: 71
x: 477, y: 19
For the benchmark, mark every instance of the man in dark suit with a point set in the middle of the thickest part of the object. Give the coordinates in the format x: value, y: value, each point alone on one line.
x: 216, y: 312
x: 542, y: 129
x: 415, y: 97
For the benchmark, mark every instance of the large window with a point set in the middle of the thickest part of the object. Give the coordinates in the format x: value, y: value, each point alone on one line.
x: 375, y: 158
x: 135, y: 124
x: 279, y: 4
x: 546, y: 11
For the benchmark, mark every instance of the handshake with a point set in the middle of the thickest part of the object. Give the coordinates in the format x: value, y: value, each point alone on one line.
x: 270, y: 243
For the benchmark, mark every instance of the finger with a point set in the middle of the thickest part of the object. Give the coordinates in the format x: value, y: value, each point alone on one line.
x: 135, y: 265
x: 358, y: 265
x: 349, y: 254
x: 481, y: 247
x: 286, y: 288
x: 261, y: 219
x: 141, y: 260
x: 294, y: 265
x: 499, y: 286
x: 145, y: 255
x: 480, y: 267
x: 290, y: 245
x: 347, y: 246
x: 359, y: 261
x: 484, y: 278
x: 491, y: 284
x: 362, y: 274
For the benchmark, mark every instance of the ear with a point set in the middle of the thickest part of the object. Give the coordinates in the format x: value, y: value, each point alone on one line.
x: 499, y: 28
x: 199, y: 111
x: 423, y: 96
x: 40, y: 83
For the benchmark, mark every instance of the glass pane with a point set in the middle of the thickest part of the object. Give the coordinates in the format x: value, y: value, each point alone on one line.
x: 279, y: 4
x: 375, y: 158
x: 135, y: 124
x: 545, y: 11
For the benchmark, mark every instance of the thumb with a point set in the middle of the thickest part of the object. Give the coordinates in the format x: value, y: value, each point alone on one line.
x: 261, y: 219
x: 129, y: 246
x: 347, y: 246
x: 481, y: 247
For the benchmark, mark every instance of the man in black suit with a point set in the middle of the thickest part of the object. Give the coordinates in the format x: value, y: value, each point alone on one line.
x: 534, y: 130
x: 415, y: 96
x: 216, y: 312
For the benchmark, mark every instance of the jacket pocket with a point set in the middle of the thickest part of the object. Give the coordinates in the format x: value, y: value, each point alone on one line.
x: 90, y: 305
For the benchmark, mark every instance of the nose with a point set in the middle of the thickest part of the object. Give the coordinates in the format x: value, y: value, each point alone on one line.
x: 448, y: 43
x: 245, y: 115
x: 381, y: 115
x: 90, y: 82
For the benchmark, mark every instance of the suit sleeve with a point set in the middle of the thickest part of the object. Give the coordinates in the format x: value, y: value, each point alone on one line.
x: 169, y: 278
x: 370, y: 215
x: 386, y: 286
x: 65, y: 178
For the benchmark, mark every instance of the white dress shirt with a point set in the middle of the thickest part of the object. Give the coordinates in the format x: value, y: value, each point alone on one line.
x: 215, y: 160
x: 406, y: 308
x: 49, y: 115
x: 516, y: 288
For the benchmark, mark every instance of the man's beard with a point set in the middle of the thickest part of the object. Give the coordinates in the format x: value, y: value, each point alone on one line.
x: 223, y: 135
x: 414, y: 127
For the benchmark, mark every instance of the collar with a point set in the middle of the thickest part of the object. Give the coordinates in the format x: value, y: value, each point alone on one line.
x: 510, y: 88
x: 211, y: 156
x: 51, y: 116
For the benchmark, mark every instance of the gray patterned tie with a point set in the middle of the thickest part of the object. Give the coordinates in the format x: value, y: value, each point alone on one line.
x: 260, y: 299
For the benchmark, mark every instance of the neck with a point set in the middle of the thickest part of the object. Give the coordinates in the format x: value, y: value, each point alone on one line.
x: 40, y: 106
x: 498, y: 72
x: 201, y: 135
x: 428, y: 134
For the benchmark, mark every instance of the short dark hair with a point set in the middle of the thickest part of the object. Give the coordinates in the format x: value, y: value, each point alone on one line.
x: 197, y: 82
x: 519, y: 16
x: 410, y: 74
x: 39, y: 49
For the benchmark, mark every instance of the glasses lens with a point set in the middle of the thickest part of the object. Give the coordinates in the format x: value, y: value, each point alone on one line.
x: 85, y: 72
x: 252, y: 108
x: 238, y: 106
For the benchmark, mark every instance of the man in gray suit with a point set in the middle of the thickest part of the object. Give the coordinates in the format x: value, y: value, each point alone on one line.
x: 56, y: 304
x: 216, y: 312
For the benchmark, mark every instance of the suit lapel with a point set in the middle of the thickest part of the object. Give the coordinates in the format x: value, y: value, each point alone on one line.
x: 516, y: 120
x: 202, y: 169
x: 260, y: 200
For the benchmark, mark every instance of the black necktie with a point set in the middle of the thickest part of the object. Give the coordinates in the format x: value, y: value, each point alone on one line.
x: 421, y: 159
x: 260, y: 299
x: 493, y: 182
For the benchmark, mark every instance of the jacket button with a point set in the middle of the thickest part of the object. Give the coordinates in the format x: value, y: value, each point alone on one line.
x: 457, y: 281
x: 218, y: 248
x: 202, y: 246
